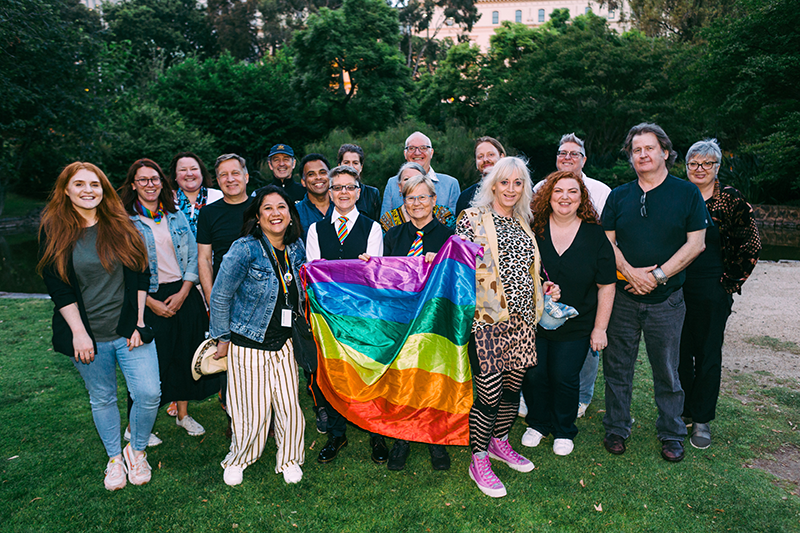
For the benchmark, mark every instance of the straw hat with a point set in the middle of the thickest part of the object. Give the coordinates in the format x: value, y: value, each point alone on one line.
x: 203, y: 362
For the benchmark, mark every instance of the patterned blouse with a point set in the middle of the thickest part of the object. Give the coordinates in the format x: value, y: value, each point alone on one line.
x: 738, y: 235
x: 395, y: 217
x: 516, y: 257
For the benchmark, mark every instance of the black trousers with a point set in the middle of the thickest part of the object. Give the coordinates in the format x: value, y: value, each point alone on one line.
x: 708, y: 307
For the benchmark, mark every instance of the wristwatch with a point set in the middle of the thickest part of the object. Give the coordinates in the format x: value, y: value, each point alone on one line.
x: 661, y: 278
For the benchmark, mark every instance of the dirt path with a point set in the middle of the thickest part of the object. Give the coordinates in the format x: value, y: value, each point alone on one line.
x: 768, y: 306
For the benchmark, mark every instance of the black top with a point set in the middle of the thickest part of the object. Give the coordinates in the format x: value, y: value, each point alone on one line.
x: 369, y: 202
x: 674, y: 208
x: 709, y: 263
x: 295, y: 191
x: 354, y: 244
x: 219, y: 224
x: 64, y: 294
x: 276, y: 335
x: 466, y: 197
x: 398, y: 240
x: 587, y: 262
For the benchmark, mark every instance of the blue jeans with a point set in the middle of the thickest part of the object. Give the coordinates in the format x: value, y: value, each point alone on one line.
x: 589, y: 376
x: 661, y: 324
x: 140, y: 368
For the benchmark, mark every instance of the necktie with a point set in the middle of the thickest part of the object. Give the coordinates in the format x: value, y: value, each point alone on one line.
x: 416, y: 246
x: 342, y: 232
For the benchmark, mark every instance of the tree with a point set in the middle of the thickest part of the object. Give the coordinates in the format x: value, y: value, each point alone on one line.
x: 427, y: 17
x: 49, y: 52
x: 244, y: 107
x: 233, y: 23
x: 680, y: 19
x: 160, y: 32
x: 349, y: 69
x: 281, y: 18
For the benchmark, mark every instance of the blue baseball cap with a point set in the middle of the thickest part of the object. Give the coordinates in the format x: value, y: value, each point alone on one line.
x: 281, y: 149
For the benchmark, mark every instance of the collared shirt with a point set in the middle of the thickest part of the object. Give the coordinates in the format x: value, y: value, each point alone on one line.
x: 398, y: 240
x: 309, y: 214
x: 447, y: 192
x: 374, y: 243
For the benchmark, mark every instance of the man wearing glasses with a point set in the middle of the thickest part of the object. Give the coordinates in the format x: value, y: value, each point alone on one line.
x: 344, y: 234
x: 657, y: 225
x: 419, y: 149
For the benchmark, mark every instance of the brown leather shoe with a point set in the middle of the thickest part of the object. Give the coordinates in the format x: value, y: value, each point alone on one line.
x: 672, y: 451
x: 614, y: 444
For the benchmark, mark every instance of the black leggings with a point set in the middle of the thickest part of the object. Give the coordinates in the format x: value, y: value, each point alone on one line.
x: 495, y: 407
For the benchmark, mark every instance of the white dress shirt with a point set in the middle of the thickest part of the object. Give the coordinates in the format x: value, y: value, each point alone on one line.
x: 374, y: 242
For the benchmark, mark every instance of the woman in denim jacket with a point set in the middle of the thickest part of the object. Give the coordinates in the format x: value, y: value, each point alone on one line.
x: 174, y: 309
x: 251, y: 305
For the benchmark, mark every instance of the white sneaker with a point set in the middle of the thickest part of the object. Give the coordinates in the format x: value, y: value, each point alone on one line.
x: 190, y: 425
x: 138, y: 467
x: 563, y: 446
x: 531, y: 438
x: 152, y: 441
x: 115, y: 474
x: 582, y: 409
x: 523, y: 407
x: 292, y: 474
x: 233, y: 475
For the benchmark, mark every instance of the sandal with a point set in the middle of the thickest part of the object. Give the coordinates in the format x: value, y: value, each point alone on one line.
x: 172, y: 410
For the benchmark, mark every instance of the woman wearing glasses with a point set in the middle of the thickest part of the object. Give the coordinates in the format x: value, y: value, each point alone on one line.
x: 732, y: 248
x: 95, y: 267
x: 174, y: 310
x: 399, y: 216
x: 422, y: 235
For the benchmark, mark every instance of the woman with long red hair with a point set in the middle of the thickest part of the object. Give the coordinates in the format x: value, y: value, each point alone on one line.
x: 95, y: 267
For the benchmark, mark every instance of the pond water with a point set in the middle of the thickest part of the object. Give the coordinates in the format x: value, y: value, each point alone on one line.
x: 18, y: 257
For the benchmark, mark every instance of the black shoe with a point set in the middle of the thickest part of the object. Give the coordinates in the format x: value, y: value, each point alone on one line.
x: 672, y: 451
x: 440, y: 459
x: 398, y: 455
x: 322, y: 420
x: 380, y: 453
x: 614, y: 444
x: 331, y: 449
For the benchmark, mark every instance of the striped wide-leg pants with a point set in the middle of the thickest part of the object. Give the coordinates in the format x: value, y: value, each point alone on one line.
x: 258, y: 381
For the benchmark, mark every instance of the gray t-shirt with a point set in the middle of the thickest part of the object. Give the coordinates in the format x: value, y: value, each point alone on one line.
x: 102, y: 291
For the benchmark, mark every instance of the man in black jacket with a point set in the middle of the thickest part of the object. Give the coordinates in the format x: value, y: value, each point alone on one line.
x: 369, y: 202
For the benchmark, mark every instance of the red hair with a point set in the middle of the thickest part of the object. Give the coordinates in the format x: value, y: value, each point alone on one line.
x: 541, y: 203
x: 118, y: 241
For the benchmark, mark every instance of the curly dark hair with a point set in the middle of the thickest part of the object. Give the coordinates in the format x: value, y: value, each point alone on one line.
x: 541, y: 203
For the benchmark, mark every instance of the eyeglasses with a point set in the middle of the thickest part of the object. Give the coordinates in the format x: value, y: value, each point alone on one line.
x: 707, y: 165
x: 350, y: 188
x: 421, y: 149
x: 564, y: 154
x: 643, y: 210
x: 143, y: 182
x: 423, y: 199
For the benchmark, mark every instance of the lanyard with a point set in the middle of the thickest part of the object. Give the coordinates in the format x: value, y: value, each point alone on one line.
x: 284, y: 277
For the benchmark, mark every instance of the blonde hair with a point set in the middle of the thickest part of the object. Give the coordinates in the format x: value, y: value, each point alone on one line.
x: 507, y: 168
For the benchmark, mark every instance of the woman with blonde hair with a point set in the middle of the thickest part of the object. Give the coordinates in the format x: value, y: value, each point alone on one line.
x: 95, y: 267
x: 509, y: 303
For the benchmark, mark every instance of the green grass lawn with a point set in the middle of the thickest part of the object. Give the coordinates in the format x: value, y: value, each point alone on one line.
x: 52, y: 467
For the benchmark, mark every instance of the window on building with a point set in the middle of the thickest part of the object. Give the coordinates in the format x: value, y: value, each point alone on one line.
x: 495, y: 17
x: 518, y: 16
x: 587, y: 10
x: 541, y: 15
x: 611, y: 14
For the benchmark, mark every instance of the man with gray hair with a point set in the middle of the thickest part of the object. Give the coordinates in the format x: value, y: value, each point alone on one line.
x: 219, y: 224
x: 571, y: 157
x: 656, y: 225
x: 419, y: 149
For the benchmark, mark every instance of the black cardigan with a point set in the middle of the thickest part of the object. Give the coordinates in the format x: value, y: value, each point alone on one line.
x: 64, y: 294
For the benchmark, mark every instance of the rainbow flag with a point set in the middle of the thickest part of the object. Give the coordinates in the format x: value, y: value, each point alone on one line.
x: 392, y: 339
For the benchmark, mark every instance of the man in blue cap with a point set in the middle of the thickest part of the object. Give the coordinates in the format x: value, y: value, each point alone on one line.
x: 281, y: 162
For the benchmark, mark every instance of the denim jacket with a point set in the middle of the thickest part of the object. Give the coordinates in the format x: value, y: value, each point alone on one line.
x: 247, y: 288
x: 182, y: 240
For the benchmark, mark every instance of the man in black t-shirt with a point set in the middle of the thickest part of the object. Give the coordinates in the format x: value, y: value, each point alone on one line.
x: 219, y: 224
x: 656, y: 225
